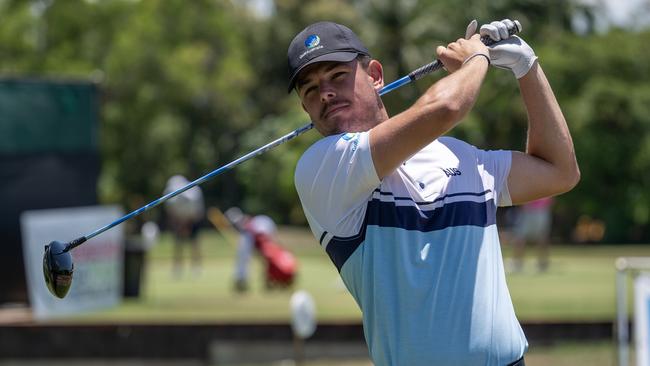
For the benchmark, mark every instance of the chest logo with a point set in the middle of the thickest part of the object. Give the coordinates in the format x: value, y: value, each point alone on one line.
x: 450, y: 172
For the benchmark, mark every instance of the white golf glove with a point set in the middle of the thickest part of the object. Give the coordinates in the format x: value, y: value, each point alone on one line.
x: 510, y: 52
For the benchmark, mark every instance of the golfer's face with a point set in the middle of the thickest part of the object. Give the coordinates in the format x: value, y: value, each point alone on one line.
x: 338, y: 97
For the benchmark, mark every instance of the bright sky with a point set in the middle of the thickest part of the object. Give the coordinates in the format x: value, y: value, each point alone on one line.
x: 624, y: 13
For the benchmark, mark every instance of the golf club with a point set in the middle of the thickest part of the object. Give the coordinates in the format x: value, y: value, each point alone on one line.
x: 57, y: 261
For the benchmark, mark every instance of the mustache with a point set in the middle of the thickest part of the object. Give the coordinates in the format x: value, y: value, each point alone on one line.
x: 328, y: 107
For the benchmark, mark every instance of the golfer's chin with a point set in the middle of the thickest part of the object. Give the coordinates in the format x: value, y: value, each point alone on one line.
x: 338, y: 122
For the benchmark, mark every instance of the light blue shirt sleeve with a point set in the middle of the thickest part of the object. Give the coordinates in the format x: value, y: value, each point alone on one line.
x: 335, y: 178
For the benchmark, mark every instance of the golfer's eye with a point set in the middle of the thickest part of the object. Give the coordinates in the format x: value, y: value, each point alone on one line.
x: 308, y: 90
x: 338, y: 75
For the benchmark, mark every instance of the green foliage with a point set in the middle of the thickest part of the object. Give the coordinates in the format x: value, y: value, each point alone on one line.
x: 603, y: 85
x: 191, y: 85
x: 177, y: 80
x: 268, y: 179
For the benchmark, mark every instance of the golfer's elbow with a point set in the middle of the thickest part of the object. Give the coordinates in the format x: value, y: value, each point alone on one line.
x: 570, y: 178
x: 575, y: 177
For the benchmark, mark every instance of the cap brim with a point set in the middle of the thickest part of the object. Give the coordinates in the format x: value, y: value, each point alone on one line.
x: 334, y: 56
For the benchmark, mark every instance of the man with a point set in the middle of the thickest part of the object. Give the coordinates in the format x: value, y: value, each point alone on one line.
x: 533, y: 226
x: 260, y: 232
x: 408, y: 215
x: 184, y: 215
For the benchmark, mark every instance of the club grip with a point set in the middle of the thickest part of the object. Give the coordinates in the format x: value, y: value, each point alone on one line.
x: 513, y: 27
x: 418, y: 73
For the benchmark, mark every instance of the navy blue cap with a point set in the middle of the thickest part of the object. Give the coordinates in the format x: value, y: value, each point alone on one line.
x: 322, y: 41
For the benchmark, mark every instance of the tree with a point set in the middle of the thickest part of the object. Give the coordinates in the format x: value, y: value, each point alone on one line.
x: 177, y: 79
x: 190, y: 86
x: 605, y: 95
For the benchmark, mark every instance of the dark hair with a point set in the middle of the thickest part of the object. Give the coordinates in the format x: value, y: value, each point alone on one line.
x: 364, y: 60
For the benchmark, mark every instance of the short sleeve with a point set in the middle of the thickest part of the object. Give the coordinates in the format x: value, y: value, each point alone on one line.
x: 335, y: 178
x: 497, y: 163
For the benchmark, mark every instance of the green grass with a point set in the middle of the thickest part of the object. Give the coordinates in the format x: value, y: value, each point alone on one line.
x: 208, y: 297
x: 578, y: 286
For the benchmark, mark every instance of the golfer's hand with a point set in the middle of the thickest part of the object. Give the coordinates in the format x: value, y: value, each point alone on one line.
x: 510, y: 52
x: 456, y: 53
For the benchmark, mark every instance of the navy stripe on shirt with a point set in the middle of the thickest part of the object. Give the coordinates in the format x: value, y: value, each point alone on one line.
x: 387, y: 214
x: 398, y: 198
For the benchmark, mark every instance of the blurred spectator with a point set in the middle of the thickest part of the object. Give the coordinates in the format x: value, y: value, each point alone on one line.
x: 260, y: 233
x: 532, y: 226
x: 184, y: 215
x: 149, y: 232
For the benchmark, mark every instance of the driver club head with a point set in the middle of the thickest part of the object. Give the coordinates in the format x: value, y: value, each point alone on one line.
x: 57, y: 268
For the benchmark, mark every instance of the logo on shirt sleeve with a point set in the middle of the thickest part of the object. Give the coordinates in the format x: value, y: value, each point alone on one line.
x: 450, y: 172
x: 352, y: 137
x: 349, y: 136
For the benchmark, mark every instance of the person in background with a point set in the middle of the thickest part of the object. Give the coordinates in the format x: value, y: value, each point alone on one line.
x: 260, y: 233
x: 184, y: 215
x: 532, y: 227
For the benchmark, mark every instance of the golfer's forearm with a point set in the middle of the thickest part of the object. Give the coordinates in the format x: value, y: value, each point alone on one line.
x: 548, y: 134
x: 449, y: 100
x: 442, y: 106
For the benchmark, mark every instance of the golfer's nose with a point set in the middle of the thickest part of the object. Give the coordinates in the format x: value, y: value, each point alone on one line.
x: 327, y: 93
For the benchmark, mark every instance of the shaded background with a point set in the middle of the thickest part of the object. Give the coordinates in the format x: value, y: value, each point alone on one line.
x: 182, y: 87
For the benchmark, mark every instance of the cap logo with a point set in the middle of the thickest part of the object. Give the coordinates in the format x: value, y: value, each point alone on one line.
x: 312, y: 41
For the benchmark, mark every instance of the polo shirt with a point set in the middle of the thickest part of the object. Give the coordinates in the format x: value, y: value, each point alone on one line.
x: 418, y: 250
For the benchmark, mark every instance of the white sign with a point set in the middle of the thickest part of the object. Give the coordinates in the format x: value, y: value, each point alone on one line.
x: 642, y: 318
x: 97, y: 279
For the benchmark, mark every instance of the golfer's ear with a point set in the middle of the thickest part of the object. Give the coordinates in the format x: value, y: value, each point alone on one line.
x: 303, y: 106
x: 376, y: 72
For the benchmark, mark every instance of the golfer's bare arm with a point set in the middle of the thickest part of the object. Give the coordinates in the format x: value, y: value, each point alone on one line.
x: 441, y: 107
x: 549, y: 166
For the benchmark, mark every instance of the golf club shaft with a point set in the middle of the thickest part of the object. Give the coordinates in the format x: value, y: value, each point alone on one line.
x: 433, y: 66
x: 412, y: 76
